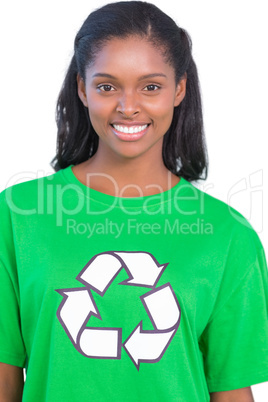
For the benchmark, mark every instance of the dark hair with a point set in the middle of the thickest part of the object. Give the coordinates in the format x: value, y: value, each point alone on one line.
x: 184, y: 149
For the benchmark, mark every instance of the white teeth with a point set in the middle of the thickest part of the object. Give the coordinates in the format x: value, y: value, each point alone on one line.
x: 130, y: 130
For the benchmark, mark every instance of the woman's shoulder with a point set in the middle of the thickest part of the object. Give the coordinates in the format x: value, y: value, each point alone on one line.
x: 220, y: 214
x: 26, y: 193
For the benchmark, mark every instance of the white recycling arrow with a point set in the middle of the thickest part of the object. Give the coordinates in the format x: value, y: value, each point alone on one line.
x: 102, y: 343
x: 163, y: 309
x: 74, y: 312
x: 100, y: 272
x: 160, y: 303
x: 147, y: 346
x: 142, y: 267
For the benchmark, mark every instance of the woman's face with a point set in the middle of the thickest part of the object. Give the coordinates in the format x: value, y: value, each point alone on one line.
x: 130, y: 93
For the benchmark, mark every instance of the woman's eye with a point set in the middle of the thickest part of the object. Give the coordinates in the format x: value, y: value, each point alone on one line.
x: 152, y: 87
x: 106, y: 88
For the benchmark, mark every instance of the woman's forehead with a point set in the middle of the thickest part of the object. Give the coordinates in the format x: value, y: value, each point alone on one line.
x: 131, y: 53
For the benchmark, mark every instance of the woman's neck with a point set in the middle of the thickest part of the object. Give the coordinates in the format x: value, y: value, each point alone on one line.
x: 126, y: 179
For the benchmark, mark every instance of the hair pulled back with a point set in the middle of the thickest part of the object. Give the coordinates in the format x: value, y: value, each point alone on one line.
x: 184, y: 150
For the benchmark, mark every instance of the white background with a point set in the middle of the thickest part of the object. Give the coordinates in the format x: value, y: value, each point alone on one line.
x: 230, y: 50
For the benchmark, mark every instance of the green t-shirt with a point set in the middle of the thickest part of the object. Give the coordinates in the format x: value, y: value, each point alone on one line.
x: 157, y: 298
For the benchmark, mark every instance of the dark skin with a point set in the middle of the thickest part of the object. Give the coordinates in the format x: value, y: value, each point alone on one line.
x: 238, y: 395
x: 11, y: 383
x: 142, y: 92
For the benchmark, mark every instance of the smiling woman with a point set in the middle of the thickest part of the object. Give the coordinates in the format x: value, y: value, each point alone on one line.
x: 130, y: 104
x: 119, y: 279
x: 117, y: 65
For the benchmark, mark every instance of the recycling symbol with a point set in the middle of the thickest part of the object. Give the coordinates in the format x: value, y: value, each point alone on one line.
x: 160, y: 303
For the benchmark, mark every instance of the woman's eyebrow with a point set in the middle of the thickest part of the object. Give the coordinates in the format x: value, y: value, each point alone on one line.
x: 104, y: 75
x: 143, y: 77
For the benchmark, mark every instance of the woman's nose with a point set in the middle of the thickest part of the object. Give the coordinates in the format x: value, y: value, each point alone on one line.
x: 128, y: 104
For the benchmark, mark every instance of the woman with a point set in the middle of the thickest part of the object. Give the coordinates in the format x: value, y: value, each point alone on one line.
x: 119, y: 279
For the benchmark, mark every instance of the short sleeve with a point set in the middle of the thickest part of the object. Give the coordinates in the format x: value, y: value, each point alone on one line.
x: 12, y: 350
x: 235, y: 342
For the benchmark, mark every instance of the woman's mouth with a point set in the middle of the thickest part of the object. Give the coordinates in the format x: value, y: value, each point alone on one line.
x: 129, y: 132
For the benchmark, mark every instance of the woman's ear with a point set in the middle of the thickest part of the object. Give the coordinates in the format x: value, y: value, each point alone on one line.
x: 180, y: 91
x: 81, y: 89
